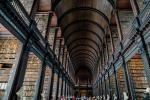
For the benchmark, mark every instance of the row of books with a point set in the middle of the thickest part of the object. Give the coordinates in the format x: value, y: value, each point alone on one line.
x: 138, y: 77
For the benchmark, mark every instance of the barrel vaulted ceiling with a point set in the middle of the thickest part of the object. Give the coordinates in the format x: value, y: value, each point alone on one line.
x: 83, y: 24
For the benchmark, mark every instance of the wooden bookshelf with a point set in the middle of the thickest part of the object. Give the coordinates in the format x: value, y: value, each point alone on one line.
x: 27, y: 91
x: 126, y: 19
x: 121, y: 81
x: 138, y: 77
x: 8, y: 49
x: 112, y: 85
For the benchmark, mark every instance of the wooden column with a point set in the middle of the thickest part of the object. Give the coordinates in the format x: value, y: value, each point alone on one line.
x: 135, y: 7
x: 107, y: 51
x: 55, y: 84
x: 114, y: 70
x: 63, y: 57
x: 58, y: 82
x: 50, y: 90
x: 66, y: 59
x: 55, y: 37
x: 62, y: 86
x: 118, y: 26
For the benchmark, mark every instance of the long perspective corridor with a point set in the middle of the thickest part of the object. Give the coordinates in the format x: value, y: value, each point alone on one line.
x: 74, y: 49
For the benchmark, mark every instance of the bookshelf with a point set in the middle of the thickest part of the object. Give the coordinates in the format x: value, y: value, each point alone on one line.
x: 112, y: 85
x: 138, y: 77
x: 27, y: 91
x: 121, y: 81
x: 47, y: 80
x: 8, y: 49
x: 126, y: 18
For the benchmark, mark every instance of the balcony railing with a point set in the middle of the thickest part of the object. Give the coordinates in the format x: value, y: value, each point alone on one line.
x: 21, y: 11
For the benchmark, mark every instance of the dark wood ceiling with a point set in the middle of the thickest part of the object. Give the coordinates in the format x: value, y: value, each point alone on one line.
x: 83, y: 24
x: 123, y: 4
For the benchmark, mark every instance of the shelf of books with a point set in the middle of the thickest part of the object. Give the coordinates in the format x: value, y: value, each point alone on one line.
x: 8, y: 49
x: 27, y: 91
x: 121, y: 81
x: 47, y: 80
x: 138, y: 77
x: 126, y: 19
x: 112, y: 84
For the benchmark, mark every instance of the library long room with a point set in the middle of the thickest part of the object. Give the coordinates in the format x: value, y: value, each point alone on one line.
x: 74, y: 49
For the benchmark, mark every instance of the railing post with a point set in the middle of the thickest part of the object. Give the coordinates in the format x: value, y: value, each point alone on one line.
x: 113, y: 66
